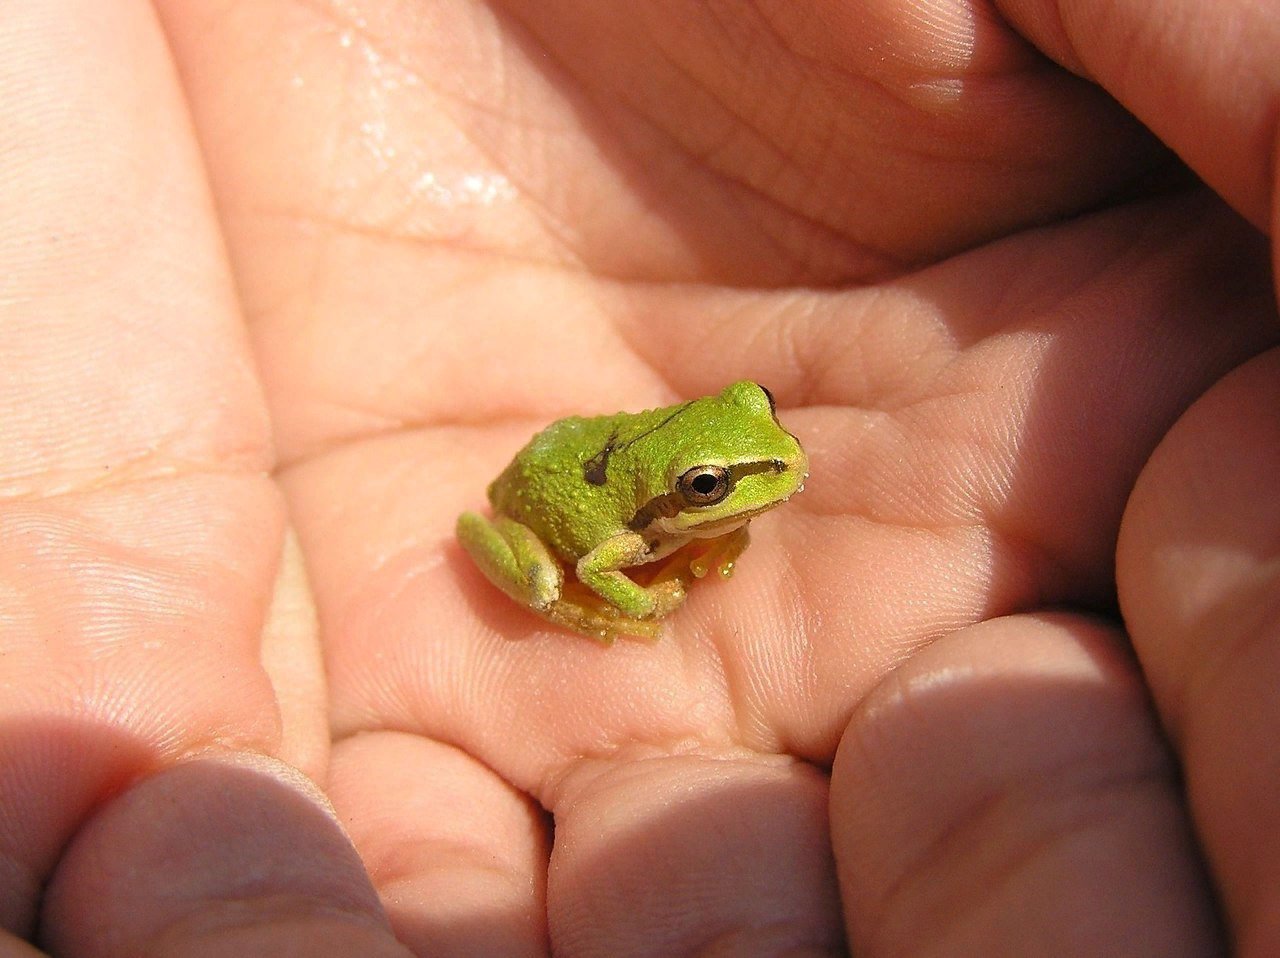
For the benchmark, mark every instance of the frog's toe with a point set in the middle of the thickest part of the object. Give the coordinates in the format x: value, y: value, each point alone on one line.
x: 667, y: 597
x: 543, y: 583
x: 623, y: 627
x: 646, y: 630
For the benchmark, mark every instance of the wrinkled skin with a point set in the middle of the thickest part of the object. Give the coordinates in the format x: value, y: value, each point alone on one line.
x: 341, y: 257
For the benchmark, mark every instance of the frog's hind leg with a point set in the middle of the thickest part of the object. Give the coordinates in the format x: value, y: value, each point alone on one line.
x: 513, y: 558
x: 581, y: 610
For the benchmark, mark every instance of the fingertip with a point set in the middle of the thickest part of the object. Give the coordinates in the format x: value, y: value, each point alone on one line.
x: 457, y: 854
x: 1008, y: 793
x: 210, y: 856
x: 694, y: 853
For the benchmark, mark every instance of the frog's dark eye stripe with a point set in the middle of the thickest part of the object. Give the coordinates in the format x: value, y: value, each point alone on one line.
x: 698, y: 487
x: 755, y: 468
x: 659, y: 507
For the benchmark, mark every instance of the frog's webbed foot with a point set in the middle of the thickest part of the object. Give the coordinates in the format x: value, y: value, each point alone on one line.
x: 722, y: 553
x: 697, y: 558
x: 582, y: 611
x: 606, y: 627
x: 661, y: 587
x: 513, y: 558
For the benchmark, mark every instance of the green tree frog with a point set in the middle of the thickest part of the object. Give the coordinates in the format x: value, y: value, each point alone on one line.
x: 590, y: 497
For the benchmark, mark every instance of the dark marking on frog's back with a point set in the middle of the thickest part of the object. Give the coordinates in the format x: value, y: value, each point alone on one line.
x: 675, y: 412
x: 594, y: 469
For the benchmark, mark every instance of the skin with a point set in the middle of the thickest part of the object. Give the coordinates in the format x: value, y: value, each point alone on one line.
x: 1031, y: 361
x: 604, y: 494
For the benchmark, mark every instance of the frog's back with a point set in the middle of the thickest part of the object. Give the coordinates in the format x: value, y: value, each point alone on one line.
x: 547, y: 486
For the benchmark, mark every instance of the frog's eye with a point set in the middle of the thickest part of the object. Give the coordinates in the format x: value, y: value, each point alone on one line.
x: 773, y: 406
x: 704, y: 485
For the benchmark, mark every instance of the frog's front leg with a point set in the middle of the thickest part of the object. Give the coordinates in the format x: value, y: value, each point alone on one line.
x: 599, y: 570
x: 513, y: 558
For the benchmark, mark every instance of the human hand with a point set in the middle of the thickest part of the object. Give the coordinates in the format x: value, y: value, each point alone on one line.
x: 437, y: 255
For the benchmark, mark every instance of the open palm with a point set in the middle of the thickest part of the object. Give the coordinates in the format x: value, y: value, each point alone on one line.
x: 982, y: 294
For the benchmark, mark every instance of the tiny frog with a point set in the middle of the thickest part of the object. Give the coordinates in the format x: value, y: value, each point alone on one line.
x: 666, y: 493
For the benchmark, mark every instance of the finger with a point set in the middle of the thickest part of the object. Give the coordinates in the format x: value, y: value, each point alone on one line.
x: 138, y: 531
x: 1199, y: 577
x: 458, y: 856
x: 215, y: 857
x: 693, y: 854
x: 1006, y: 792
x: 123, y: 352
x: 1204, y: 76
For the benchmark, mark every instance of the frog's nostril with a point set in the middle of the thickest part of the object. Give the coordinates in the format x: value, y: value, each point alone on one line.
x: 779, y: 466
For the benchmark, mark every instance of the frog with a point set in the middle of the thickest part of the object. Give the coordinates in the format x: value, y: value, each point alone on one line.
x: 601, y: 524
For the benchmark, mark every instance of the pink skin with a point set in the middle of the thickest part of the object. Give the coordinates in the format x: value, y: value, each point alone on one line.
x: 1002, y: 323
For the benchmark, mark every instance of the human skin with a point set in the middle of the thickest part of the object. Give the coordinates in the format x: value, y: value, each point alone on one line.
x: 324, y: 266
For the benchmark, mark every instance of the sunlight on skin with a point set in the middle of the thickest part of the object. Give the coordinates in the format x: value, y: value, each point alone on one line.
x: 141, y: 533
x: 948, y: 408
x: 962, y: 271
